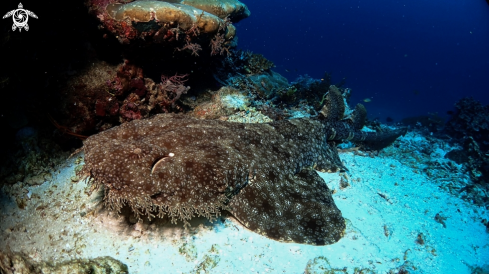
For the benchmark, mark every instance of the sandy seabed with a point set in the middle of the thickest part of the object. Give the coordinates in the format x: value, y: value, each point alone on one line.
x: 397, y: 217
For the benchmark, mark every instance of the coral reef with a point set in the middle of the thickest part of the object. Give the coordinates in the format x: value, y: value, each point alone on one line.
x: 309, y: 91
x: 457, y: 168
x: 241, y: 62
x: 184, y: 25
x: 470, y: 119
x: 86, y: 98
x: 476, y: 163
x: 250, y: 73
x: 105, y: 95
x: 470, y: 126
x: 182, y: 167
x: 259, y: 86
x: 18, y: 263
x: 257, y: 63
x: 222, y: 103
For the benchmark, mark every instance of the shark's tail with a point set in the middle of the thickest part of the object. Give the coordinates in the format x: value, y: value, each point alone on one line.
x: 349, y: 128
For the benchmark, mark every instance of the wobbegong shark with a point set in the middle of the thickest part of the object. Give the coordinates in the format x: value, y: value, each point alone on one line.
x: 263, y: 174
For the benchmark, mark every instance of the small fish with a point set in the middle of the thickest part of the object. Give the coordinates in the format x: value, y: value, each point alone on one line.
x: 367, y: 100
x: 286, y: 70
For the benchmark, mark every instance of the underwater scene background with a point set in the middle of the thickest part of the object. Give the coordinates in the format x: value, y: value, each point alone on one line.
x: 409, y: 57
x: 228, y: 136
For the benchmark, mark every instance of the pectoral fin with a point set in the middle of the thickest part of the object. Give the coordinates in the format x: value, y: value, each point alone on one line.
x: 298, y: 209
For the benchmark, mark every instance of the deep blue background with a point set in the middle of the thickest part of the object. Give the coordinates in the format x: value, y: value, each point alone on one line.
x: 411, y: 57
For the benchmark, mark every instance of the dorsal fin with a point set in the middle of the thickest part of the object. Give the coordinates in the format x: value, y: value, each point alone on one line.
x: 334, y: 105
x: 359, y: 116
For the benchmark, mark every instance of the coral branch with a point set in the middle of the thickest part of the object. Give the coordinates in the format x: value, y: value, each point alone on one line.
x: 193, y: 47
x: 219, y: 40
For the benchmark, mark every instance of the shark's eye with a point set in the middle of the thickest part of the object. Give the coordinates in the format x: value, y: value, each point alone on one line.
x: 160, y: 161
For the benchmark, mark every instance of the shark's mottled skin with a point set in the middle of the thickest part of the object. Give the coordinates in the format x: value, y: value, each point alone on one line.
x: 262, y: 173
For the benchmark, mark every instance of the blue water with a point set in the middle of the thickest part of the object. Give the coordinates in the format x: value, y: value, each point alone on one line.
x: 410, y: 57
